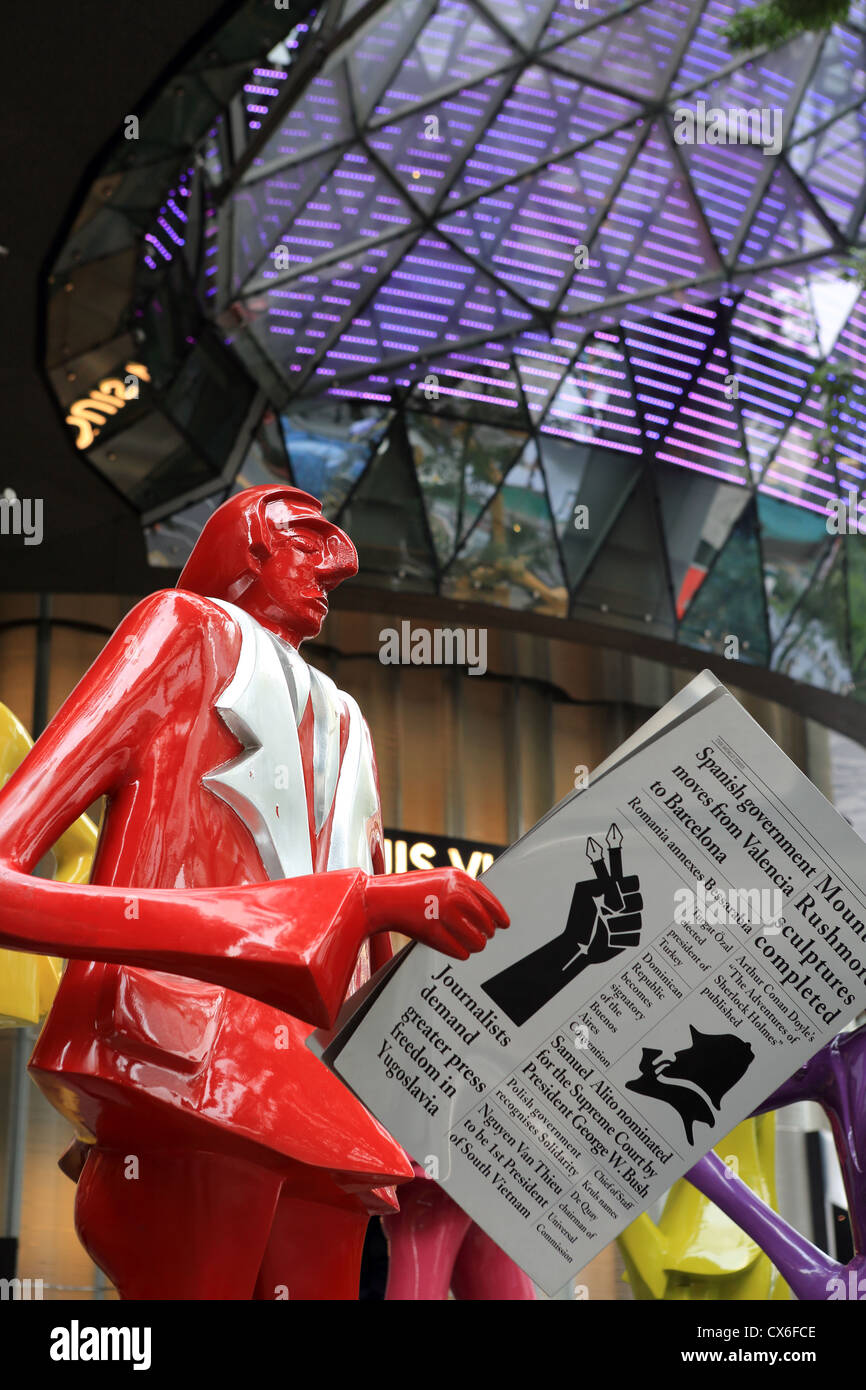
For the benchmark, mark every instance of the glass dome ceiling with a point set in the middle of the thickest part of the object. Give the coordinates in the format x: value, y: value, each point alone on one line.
x: 556, y: 308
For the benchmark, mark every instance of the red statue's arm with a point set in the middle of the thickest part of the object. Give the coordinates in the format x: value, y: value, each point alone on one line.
x: 291, y: 943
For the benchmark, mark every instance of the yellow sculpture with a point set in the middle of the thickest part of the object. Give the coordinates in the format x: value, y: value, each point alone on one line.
x: 28, y: 983
x: 696, y: 1252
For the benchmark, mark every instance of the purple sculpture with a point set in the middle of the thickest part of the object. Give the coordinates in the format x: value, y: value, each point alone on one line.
x: 836, y: 1079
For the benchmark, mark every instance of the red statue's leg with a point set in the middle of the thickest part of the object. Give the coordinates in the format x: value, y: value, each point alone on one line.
x: 423, y: 1239
x: 483, y: 1272
x: 315, y: 1248
x: 190, y: 1225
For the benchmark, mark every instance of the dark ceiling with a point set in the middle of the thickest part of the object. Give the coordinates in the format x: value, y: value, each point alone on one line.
x: 69, y: 77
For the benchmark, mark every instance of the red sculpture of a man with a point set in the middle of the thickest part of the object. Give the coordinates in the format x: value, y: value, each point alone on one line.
x: 239, y: 847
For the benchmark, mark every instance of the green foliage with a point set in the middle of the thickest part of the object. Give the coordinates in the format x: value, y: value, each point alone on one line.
x: 854, y: 267
x: 775, y: 21
x: 834, y: 383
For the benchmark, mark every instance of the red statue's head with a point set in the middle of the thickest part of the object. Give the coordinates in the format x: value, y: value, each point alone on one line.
x: 272, y: 552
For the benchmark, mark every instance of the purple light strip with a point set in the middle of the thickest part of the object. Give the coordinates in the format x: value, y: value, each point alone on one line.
x: 702, y: 468
x: 608, y: 443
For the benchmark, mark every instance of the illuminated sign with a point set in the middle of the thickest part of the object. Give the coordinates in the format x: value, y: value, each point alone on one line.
x: 407, y: 849
x: 90, y: 413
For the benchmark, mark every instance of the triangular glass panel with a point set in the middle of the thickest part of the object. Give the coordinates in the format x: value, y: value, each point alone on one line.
x: 628, y: 579
x: 798, y: 474
x: 381, y: 49
x: 455, y: 46
x: 698, y: 514
x: 386, y: 519
x: 654, y: 235
x: 838, y: 81
x: 814, y: 644
x: 106, y: 233
x: 636, y: 51
x: 833, y: 292
x: 702, y: 431
x: 832, y: 165
x: 587, y: 489
x: 815, y: 446
x: 785, y: 225
x: 525, y: 19
x: 724, y: 180
x: 528, y: 233
x: 436, y: 447
x: 730, y: 601
x: 423, y: 149
x: 850, y: 405
x: 266, y: 460
x: 132, y: 190
x: 544, y: 114
x: 260, y: 211
x: 569, y: 17
x: 489, y: 454
x: 318, y: 119
x: 707, y: 50
x: 753, y: 104
x: 295, y: 324
x: 459, y: 466
x: 226, y: 81
x: 354, y: 204
x: 176, y: 109
x: 774, y: 352
x: 350, y: 8
x: 480, y: 383
x: 728, y: 130
x: 511, y: 556
x: 793, y: 541
x: 594, y: 402
x: 541, y: 364
x: 125, y: 459
x: 170, y: 541
x: 852, y: 338
x: 330, y: 444
x: 434, y: 297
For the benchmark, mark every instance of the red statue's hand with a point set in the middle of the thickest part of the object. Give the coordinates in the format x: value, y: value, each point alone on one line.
x: 444, y: 908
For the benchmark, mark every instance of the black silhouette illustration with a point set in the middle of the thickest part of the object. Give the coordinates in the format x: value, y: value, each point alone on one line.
x: 604, y: 919
x: 696, y: 1078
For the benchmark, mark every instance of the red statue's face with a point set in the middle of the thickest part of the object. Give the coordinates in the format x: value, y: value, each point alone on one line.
x: 308, y: 556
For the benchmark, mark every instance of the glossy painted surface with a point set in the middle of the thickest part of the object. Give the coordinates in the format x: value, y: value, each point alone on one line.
x: 835, y: 1078
x: 28, y: 983
x: 167, y: 1039
x: 435, y: 1248
x: 695, y: 1251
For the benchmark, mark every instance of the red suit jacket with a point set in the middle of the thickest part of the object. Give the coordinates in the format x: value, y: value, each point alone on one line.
x: 134, y: 1056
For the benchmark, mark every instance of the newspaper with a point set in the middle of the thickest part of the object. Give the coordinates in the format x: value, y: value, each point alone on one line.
x: 685, y: 933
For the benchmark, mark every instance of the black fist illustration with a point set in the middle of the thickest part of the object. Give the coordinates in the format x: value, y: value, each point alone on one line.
x: 604, y: 919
